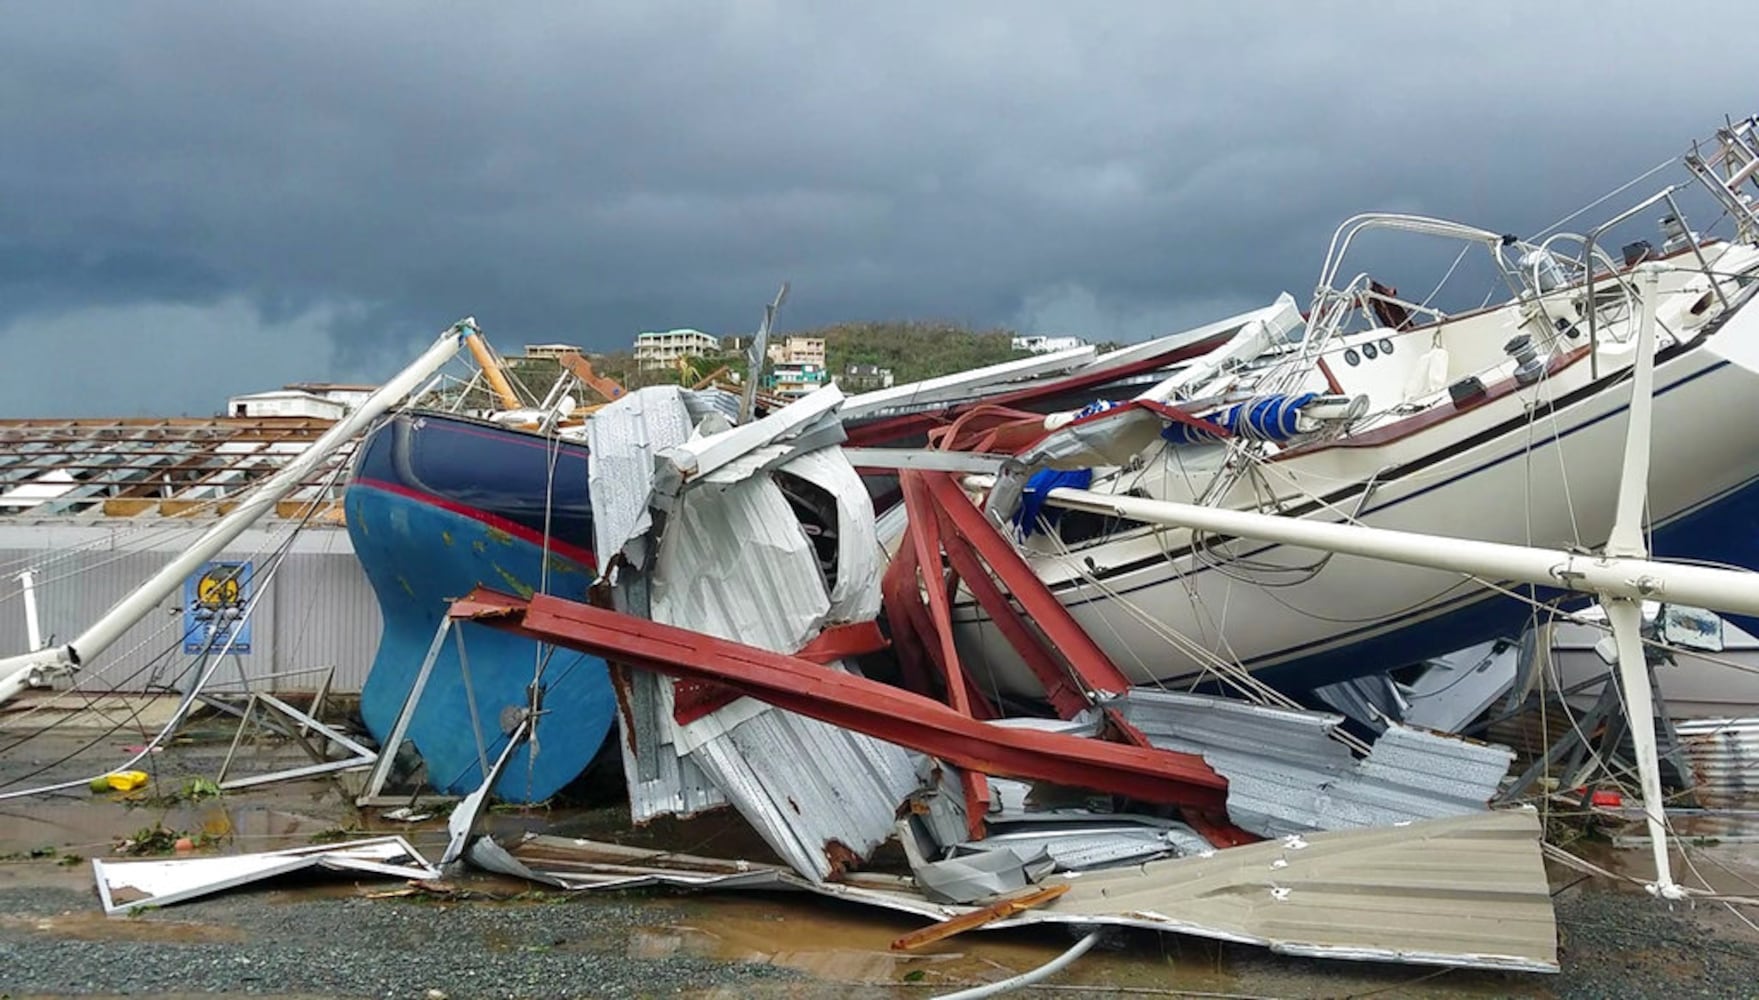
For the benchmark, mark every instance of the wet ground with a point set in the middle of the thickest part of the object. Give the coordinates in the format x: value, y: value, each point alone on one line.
x: 337, y: 936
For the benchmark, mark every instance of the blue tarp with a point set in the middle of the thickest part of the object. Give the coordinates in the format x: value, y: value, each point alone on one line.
x: 1038, y: 488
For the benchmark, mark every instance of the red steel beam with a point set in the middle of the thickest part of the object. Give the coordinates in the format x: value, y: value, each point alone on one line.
x: 925, y: 537
x: 966, y: 528
x: 693, y: 700
x: 1092, y: 666
x: 1068, y: 699
x: 856, y: 703
x: 900, y: 594
x: 913, y: 634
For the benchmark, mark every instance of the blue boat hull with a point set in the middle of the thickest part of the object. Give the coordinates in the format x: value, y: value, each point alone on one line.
x: 438, y: 506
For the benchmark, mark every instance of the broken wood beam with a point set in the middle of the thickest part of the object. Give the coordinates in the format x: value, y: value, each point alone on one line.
x: 999, y: 910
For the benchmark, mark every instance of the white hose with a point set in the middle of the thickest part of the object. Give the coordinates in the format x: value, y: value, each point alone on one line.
x: 1043, y: 972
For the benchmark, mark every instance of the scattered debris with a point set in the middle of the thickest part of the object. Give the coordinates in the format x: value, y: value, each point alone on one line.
x: 126, y: 886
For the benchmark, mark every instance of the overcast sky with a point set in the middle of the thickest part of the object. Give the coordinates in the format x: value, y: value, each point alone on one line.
x: 208, y: 198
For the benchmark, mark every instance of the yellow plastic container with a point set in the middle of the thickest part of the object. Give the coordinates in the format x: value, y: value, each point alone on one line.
x: 126, y: 781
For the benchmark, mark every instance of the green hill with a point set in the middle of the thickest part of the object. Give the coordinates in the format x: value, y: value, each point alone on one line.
x: 913, y: 350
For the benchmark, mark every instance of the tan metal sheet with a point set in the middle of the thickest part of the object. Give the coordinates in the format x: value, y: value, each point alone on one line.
x: 1461, y: 890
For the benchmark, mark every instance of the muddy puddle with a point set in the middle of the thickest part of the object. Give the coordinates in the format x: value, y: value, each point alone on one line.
x: 852, y: 945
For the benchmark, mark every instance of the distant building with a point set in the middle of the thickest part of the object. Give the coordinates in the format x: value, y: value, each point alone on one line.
x: 865, y: 378
x: 323, y: 400
x: 551, y: 351
x: 352, y: 395
x: 799, y: 351
x: 793, y: 380
x: 657, y: 350
x: 1040, y: 344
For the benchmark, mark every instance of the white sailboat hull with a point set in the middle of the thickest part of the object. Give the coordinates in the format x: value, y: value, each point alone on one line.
x: 1488, y: 473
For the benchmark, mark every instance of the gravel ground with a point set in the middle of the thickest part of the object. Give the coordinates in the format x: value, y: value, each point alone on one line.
x: 357, y: 948
x: 1623, y: 944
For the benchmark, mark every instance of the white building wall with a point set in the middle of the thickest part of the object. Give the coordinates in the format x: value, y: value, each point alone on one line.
x: 286, y: 404
x: 317, y: 610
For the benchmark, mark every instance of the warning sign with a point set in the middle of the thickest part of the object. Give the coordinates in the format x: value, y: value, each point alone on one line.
x: 214, y: 602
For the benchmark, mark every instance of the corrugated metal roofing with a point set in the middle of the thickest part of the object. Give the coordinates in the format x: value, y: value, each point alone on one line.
x: 1286, y: 774
x: 1078, y: 840
x: 1724, y: 755
x: 736, y: 563
x: 624, y: 438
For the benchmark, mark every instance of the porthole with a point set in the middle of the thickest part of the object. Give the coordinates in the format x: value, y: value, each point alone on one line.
x: 1369, y: 351
x: 1351, y: 358
x: 1386, y: 345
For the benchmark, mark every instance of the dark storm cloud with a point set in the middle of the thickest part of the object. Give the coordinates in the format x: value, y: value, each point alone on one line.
x: 334, y: 183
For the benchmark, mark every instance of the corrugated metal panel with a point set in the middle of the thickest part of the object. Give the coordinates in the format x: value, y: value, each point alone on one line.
x: 1466, y: 890
x: 1725, y: 761
x: 1286, y: 774
x: 737, y: 565
x: 318, y: 609
x: 326, y: 616
x: 624, y: 437
x: 1078, y: 840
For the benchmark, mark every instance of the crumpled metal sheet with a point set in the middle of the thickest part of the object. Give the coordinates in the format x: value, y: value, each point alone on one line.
x: 818, y: 795
x: 703, y: 459
x: 702, y: 402
x: 855, y: 597
x: 125, y: 885
x: 740, y: 567
x: 1287, y: 775
x: 974, y: 876
x: 1077, y: 840
x: 623, y: 439
x: 661, y: 782
x: 1464, y: 890
x: 736, y: 563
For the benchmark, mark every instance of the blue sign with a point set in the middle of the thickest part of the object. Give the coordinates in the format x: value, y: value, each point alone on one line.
x: 214, y: 600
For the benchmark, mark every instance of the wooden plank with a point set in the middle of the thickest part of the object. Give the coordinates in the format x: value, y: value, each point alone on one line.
x: 999, y: 910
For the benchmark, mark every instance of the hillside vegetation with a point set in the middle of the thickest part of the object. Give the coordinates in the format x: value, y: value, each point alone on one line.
x: 912, y: 349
